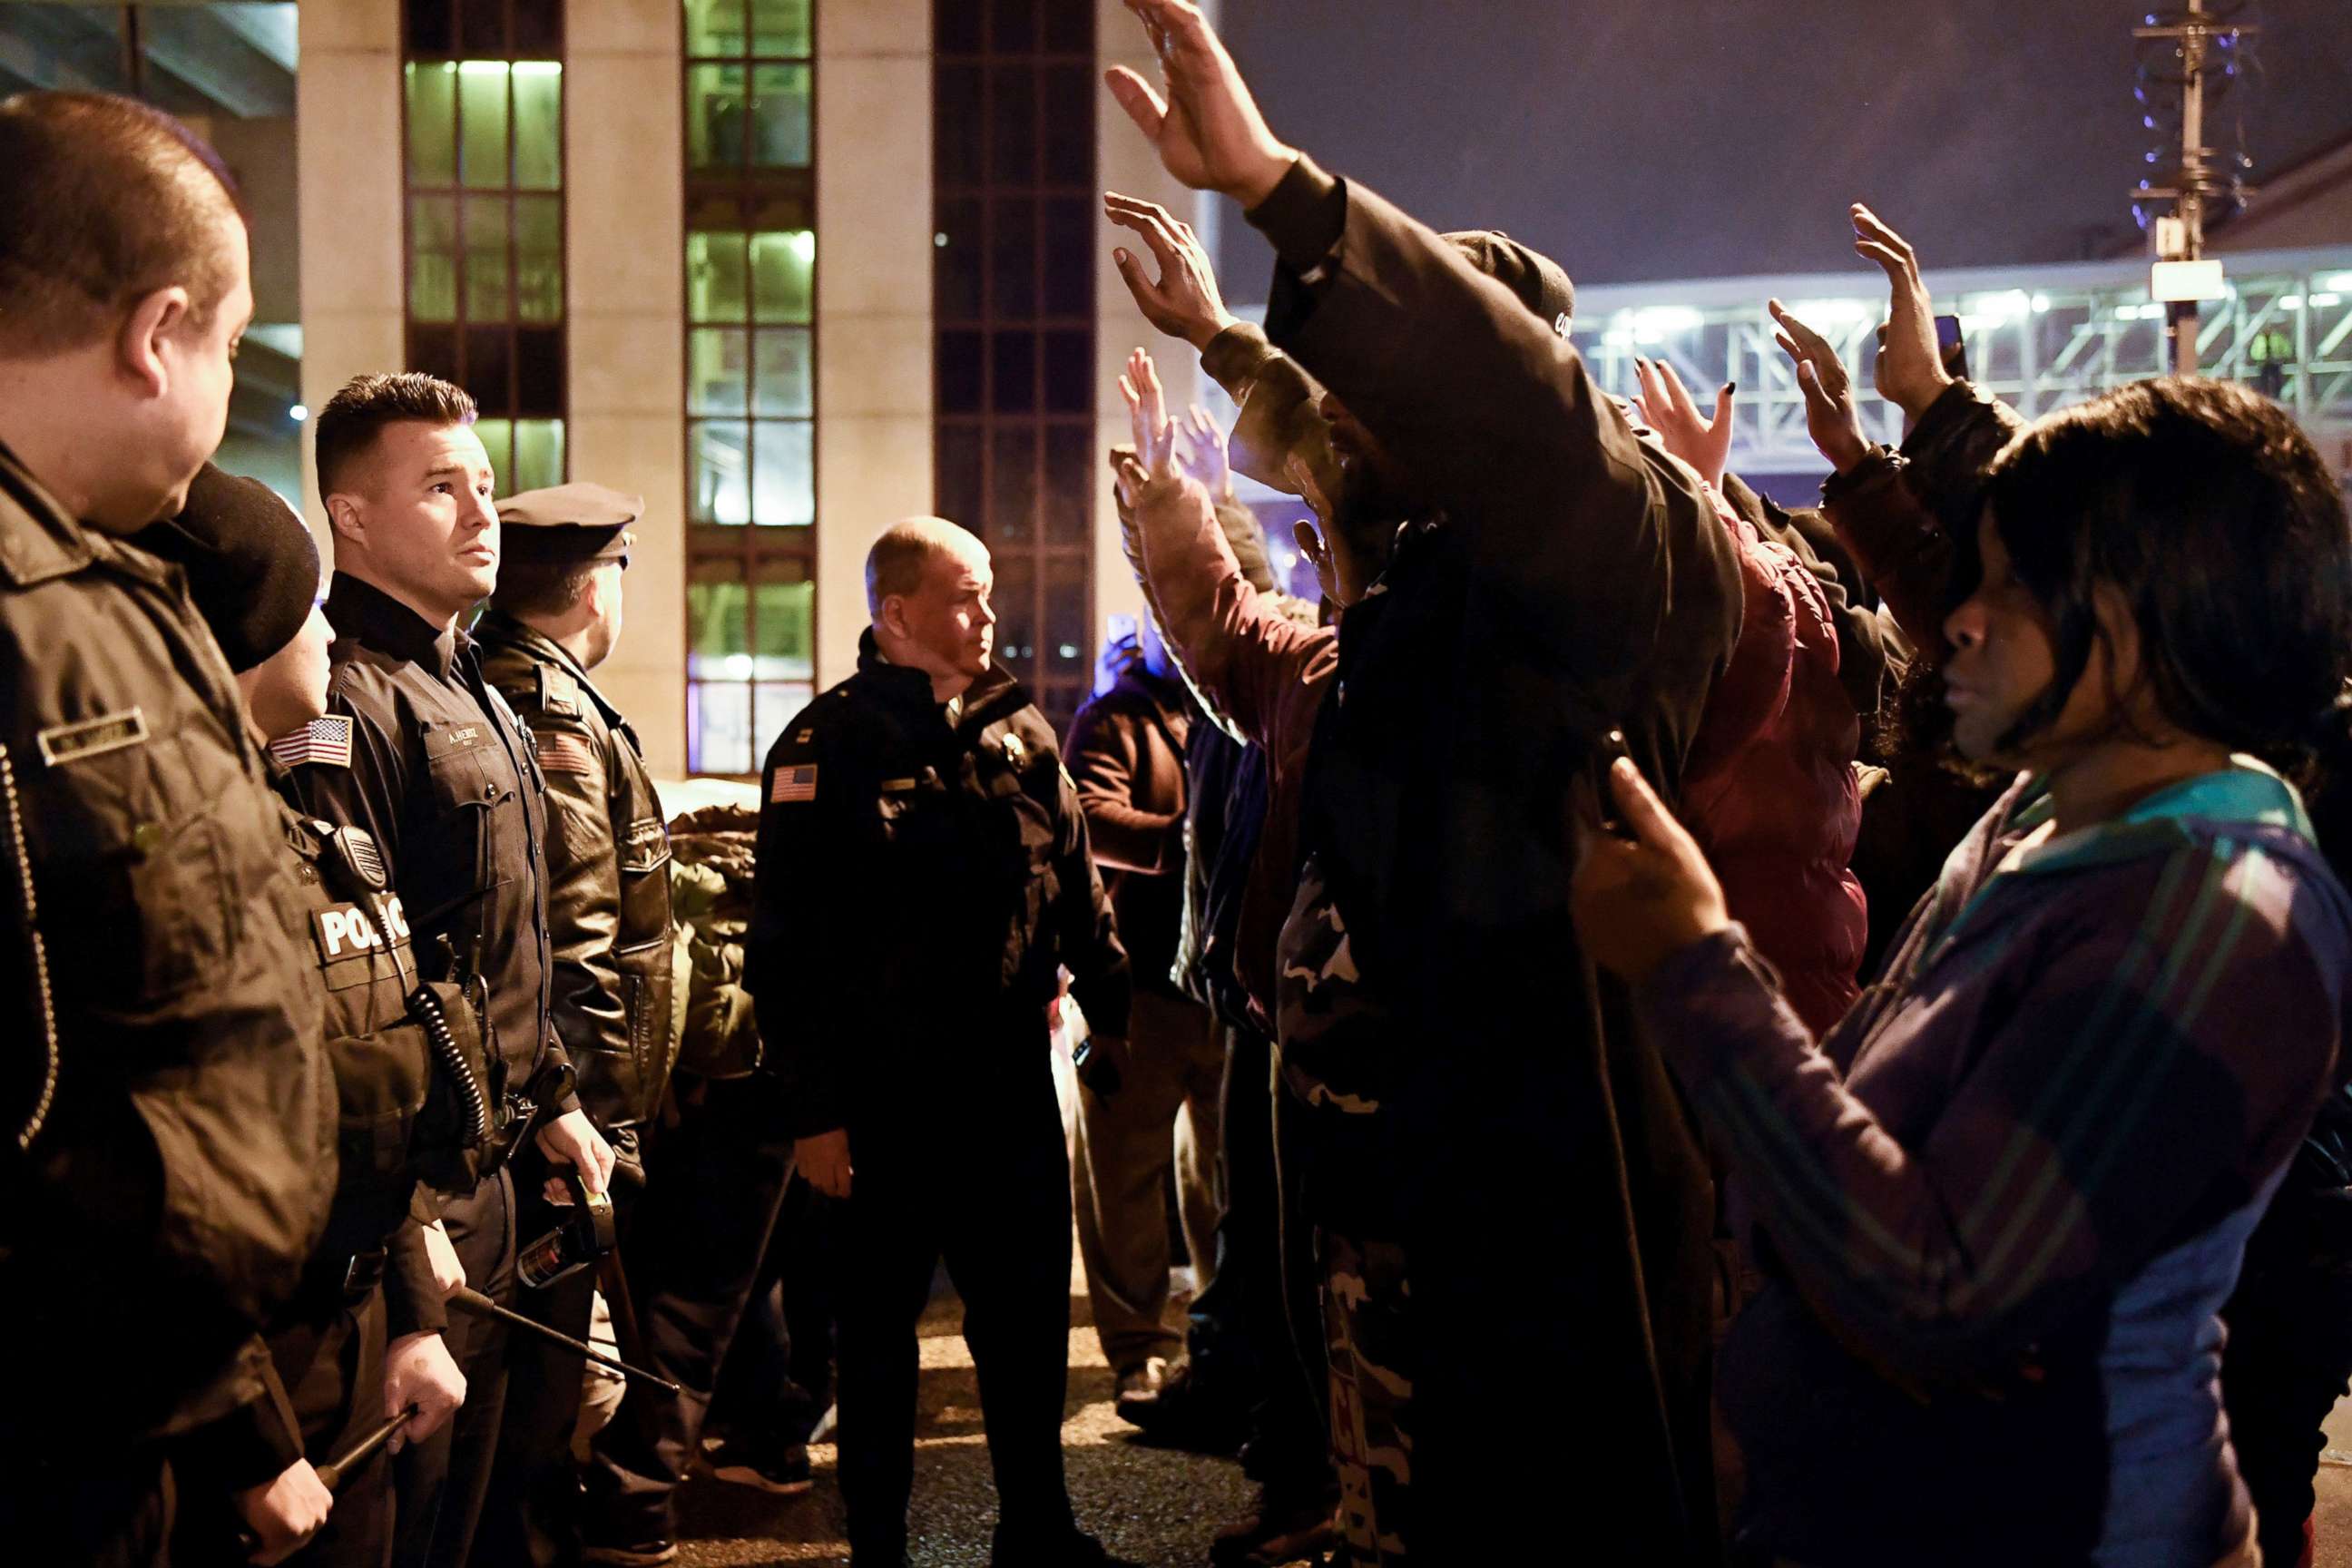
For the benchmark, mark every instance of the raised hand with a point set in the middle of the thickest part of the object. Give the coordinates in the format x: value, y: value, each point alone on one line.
x: 1201, y: 451
x: 1911, y: 373
x: 1318, y: 555
x: 1665, y: 407
x: 1147, y: 413
x: 1829, y: 416
x: 1207, y: 129
x: 1184, y: 303
x: 1127, y: 477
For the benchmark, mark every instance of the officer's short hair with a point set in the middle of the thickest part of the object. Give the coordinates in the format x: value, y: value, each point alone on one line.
x: 896, y: 563
x: 549, y: 588
x: 107, y: 200
x: 348, y: 426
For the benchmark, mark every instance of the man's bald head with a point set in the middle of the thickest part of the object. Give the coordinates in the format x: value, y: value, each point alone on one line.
x: 109, y: 200
x: 905, y: 553
x: 927, y: 584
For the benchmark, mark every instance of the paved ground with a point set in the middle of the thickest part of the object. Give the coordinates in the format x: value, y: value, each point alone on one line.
x: 2335, y: 1488
x: 1158, y: 1507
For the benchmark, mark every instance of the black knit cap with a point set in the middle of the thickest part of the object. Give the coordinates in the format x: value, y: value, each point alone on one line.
x: 252, y: 565
x: 1542, y: 283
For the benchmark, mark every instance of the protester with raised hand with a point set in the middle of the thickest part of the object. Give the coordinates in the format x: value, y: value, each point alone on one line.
x: 1665, y: 405
x: 1524, y: 614
x: 1282, y: 438
x: 1769, y: 786
x: 2007, y: 1196
x: 1264, y: 671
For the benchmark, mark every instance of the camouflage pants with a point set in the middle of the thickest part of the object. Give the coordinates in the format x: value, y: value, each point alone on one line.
x: 1366, y: 1300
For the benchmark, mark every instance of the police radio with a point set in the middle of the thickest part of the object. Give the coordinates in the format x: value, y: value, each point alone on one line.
x: 355, y: 851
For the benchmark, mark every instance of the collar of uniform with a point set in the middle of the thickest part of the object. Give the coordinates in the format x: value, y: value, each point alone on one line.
x: 54, y: 544
x: 498, y: 629
x: 49, y: 543
x: 912, y: 689
x: 366, y: 612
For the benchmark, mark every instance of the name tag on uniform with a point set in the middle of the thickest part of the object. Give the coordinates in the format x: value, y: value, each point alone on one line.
x: 62, y: 743
x: 441, y: 739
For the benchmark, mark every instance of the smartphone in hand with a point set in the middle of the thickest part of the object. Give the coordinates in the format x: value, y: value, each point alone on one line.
x: 1605, y: 814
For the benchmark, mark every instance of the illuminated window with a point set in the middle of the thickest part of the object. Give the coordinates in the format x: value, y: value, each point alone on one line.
x: 1015, y: 213
x: 484, y: 115
x: 751, y: 376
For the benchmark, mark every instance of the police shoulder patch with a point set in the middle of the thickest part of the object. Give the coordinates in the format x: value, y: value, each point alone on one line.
x: 565, y: 751
x: 324, y: 742
x: 794, y: 784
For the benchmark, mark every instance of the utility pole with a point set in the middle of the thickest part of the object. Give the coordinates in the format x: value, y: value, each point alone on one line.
x: 2197, y: 37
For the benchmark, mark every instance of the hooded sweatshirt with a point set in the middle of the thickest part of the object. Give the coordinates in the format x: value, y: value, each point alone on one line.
x: 2006, y: 1197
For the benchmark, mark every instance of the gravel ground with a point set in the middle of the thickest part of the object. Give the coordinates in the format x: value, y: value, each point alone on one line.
x: 1155, y: 1506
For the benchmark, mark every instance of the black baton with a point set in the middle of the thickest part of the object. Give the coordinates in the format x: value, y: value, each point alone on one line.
x: 330, y: 1474
x: 473, y: 1300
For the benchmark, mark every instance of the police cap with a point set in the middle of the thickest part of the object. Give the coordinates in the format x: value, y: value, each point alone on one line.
x: 570, y: 524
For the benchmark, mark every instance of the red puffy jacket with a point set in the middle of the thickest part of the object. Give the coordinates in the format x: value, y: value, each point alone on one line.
x: 1769, y: 790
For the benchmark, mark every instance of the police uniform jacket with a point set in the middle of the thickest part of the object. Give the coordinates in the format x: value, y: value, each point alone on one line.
x: 400, y: 1123
x: 160, y: 1031
x: 608, y: 899
x: 417, y: 749
x: 920, y: 868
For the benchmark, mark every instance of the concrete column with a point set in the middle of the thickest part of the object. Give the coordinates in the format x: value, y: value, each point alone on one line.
x: 1125, y: 162
x: 874, y: 325
x: 624, y: 264
x: 347, y: 172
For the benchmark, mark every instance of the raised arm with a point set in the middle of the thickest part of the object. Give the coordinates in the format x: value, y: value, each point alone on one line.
x: 1239, y: 650
x: 1578, y: 541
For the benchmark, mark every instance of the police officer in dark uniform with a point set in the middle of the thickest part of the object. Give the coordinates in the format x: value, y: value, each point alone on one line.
x: 555, y: 616
x: 923, y: 875
x: 440, y: 773
x: 166, y: 1114
x: 408, y: 1090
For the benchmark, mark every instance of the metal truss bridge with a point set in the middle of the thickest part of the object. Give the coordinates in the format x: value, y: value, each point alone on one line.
x: 2038, y: 337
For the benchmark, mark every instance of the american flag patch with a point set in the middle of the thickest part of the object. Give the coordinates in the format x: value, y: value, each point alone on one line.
x: 325, y: 742
x: 794, y: 784
x: 561, y: 752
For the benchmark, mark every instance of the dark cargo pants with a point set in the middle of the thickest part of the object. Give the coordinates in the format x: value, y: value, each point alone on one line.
x: 713, y: 1186
x: 970, y: 1170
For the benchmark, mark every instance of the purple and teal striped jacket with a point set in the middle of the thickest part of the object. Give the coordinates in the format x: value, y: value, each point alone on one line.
x: 2005, y: 1198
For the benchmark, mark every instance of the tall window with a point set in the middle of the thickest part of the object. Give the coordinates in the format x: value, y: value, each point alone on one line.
x: 485, y: 179
x: 1013, y: 94
x: 751, y: 376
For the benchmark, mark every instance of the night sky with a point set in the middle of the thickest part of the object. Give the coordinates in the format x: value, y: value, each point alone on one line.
x: 1659, y: 139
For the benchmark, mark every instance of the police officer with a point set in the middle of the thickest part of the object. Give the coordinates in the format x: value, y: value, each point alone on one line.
x: 555, y: 616
x: 166, y: 1114
x: 923, y: 874
x: 439, y: 772
x: 406, y: 1101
